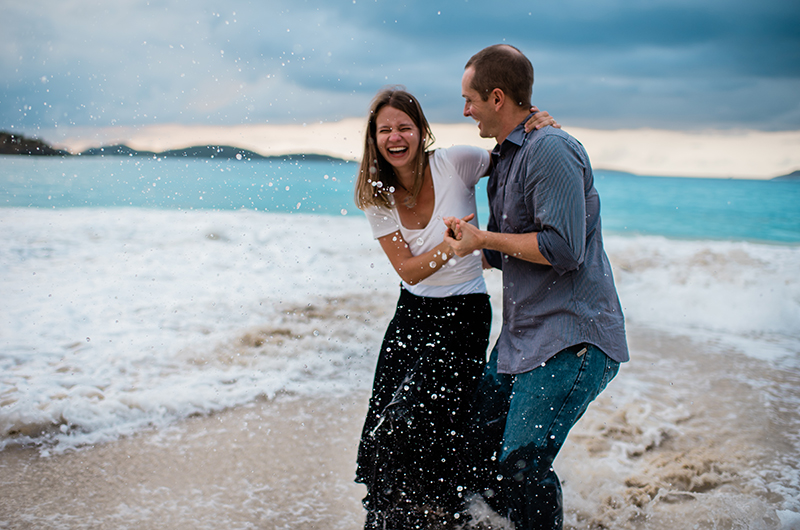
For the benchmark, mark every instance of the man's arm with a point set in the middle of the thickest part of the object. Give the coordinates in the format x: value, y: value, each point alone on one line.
x: 521, y: 246
x: 558, y: 199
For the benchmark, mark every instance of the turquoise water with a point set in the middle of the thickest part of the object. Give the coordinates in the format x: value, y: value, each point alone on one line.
x: 700, y: 208
x: 685, y: 208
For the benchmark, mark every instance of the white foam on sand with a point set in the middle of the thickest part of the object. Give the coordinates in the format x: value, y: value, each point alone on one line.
x: 114, y: 320
x: 119, y: 319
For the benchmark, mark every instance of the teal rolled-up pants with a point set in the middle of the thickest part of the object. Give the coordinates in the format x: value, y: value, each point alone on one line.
x: 519, y: 424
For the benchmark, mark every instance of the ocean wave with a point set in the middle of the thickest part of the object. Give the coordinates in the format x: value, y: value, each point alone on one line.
x: 122, y: 319
x: 743, y: 294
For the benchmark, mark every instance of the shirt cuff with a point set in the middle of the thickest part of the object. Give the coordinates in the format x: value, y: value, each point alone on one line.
x: 555, y: 249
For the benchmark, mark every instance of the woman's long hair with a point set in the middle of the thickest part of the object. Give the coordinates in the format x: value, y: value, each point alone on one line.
x: 376, y: 179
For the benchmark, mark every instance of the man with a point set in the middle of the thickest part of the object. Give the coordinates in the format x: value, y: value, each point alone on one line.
x: 563, y: 333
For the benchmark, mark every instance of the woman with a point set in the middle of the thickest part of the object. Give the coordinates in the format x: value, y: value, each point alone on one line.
x: 435, y: 347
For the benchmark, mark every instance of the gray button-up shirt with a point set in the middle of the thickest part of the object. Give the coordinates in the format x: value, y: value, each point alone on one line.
x: 542, y: 182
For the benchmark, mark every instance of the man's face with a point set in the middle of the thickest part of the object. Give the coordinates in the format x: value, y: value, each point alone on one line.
x: 479, y: 110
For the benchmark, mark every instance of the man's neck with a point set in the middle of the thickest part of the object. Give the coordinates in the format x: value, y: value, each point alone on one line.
x: 510, y: 123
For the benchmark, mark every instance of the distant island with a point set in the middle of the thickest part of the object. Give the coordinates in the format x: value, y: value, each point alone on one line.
x: 17, y: 144
x: 201, y: 151
x: 794, y: 175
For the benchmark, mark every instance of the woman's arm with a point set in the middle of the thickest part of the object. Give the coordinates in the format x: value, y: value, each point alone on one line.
x: 413, y: 269
x: 539, y: 119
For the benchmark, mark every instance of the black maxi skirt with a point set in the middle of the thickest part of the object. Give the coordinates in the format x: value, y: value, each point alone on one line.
x: 430, y: 363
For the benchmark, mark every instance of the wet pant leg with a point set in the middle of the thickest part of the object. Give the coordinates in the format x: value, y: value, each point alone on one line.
x: 542, y: 406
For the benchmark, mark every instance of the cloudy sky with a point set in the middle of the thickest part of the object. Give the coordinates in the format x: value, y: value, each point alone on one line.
x: 607, y: 64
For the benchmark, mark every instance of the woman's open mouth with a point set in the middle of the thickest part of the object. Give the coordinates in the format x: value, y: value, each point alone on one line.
x: 397, y: 151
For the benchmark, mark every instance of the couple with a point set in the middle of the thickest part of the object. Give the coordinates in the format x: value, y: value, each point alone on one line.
x: 442, y: 422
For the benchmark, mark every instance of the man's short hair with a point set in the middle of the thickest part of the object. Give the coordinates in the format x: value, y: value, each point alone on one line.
x: 505, y: 67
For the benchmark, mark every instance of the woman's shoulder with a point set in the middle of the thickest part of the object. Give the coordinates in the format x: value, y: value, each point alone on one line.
x: 467, y: 161
x: 458, y: 151
x: 379, y: 210
x: 460, y: 155
x: 382, y: 220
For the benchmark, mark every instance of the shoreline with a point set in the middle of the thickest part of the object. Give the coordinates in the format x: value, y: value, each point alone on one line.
x: 711, y: 451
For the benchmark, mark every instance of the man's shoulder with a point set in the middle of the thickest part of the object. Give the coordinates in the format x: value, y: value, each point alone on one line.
x: 548, y: 135
x: 551, y: 140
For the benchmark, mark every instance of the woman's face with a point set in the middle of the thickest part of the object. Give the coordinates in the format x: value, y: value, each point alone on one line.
x: 397, y: 137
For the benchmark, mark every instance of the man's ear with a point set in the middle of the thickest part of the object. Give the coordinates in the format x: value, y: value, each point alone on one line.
x: 497, y: 98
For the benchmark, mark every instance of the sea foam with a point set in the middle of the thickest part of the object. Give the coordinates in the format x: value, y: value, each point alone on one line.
x: 116, y: 320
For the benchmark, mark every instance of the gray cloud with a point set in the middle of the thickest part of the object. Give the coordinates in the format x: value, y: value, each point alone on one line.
x: 610, y: 64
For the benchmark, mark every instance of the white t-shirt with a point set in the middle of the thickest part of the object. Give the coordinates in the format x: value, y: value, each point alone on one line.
x: 455, y: 172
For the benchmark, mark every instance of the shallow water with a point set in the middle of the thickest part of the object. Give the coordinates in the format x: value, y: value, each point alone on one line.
x: 693, y: 434
x: 121, y: 325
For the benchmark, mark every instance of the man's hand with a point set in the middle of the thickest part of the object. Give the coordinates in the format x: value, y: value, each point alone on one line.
x: 462, y: 237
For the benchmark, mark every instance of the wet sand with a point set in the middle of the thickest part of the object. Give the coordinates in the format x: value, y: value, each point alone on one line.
x: 283, y: 464
x: 678, y: 440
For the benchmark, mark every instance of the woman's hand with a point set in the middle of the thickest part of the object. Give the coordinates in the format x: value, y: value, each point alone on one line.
x: 461, y: 236
x: 540, y: 119
x: 453, y: 229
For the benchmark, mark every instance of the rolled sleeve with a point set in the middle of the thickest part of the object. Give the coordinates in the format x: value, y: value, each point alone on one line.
x: 556, y: 250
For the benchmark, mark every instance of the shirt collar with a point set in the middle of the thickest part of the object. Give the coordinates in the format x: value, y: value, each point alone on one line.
x: 515, y: 137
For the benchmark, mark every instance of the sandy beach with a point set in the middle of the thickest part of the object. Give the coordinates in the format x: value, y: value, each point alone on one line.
x: 285, y: 463
x: 716, y: 453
